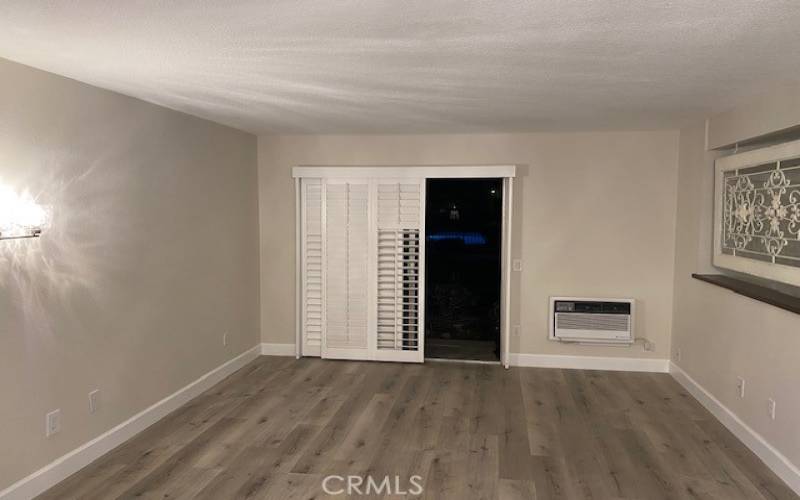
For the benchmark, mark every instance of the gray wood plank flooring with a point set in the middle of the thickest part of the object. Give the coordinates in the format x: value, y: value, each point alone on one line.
x: 277, y: 427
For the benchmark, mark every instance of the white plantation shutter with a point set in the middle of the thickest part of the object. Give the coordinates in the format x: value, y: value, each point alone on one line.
x: 346, y: 269
x: 362, y: 254
x: 399, y: 270
x: 362, y: 268
x: 312, y: 267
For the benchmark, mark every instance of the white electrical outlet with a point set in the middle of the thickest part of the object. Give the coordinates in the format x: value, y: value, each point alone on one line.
x: 740, y: 386
x: 93, y: 396
x: 516, y: 265
x: 225, y: 339
x: 516, y: 330
x: 678, y: 355
x: 52, y: 423
x: 771, y: 408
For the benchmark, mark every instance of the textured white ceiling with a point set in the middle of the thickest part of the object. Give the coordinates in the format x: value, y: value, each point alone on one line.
x: 416, y: 65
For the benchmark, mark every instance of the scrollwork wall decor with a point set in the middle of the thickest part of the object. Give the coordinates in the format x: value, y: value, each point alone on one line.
x: 758, y: 213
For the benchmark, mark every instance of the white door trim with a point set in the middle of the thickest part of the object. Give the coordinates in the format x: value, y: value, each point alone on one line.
x: 298, y: 271
x: 505, y: 269
x: 423, y: 245
x: 405, y: 172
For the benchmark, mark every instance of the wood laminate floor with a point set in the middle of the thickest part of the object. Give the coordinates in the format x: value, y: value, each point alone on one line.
x: 277, y: 427
x: 473, y: 350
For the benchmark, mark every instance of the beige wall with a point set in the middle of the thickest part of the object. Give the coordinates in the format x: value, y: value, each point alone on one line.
x: 151, y: 256
x: 722, y: 335
x: 594, y: 216
x: 771, y: 112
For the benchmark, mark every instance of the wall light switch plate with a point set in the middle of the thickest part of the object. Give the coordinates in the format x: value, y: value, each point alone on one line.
x: 516, y: 265
x: 516, y: 330
x: 740, y: 386
x: 93, y: 396
x: 52, y: 423
x: 225, y: 339
x: 771, y: 408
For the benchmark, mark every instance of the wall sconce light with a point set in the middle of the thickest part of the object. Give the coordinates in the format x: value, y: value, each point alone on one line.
x: 20, y: 215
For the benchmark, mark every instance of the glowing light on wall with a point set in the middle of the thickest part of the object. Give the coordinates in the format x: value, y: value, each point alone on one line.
x: 20, y: 215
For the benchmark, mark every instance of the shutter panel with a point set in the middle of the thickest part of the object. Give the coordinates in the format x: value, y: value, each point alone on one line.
x: 399, y: 270
x: 362, y: 274
x: 311, y: 265
x: 346, y: 269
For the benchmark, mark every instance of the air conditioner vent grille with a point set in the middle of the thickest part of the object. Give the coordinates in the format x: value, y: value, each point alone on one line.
x: 602, y: 322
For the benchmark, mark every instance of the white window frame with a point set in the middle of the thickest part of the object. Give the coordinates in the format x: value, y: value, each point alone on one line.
x: 505, y: 172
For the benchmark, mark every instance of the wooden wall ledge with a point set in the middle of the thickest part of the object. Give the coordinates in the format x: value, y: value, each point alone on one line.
x: 760, y: 293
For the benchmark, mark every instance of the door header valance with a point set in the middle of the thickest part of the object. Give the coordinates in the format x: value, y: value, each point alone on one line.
x: 416, y: 172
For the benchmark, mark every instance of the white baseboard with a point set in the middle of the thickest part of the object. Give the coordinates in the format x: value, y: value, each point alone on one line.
x: 63, y: 467
x: 773, y: 458
x: 278, y: 349
x: 589, y: 362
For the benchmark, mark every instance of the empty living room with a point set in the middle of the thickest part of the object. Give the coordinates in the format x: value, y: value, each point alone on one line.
x: 420, y: 249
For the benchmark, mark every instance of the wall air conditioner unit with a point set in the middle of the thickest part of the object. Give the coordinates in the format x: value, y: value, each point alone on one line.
x: 592, y: 321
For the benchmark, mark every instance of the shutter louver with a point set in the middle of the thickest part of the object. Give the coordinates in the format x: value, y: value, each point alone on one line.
x: 312, y: 267
x: 398, y: 267
x: 347, y: 272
